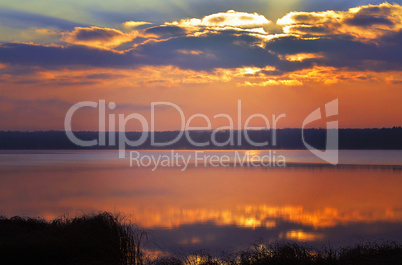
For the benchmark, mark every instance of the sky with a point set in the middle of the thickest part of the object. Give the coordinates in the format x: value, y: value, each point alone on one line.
x: 278, y: 57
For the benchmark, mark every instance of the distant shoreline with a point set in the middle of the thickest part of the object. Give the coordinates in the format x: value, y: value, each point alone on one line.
x: 286, y: 139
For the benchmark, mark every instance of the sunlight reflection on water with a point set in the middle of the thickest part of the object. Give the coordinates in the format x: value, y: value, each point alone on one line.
x: 214, y: 207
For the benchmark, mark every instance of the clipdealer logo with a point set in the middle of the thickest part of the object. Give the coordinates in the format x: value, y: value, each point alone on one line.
x: 330, y: 154
x: 119, y: 122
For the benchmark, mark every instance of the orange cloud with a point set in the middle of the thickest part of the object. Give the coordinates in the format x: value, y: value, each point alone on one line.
x: 47, y: 31
x: 252, y: 23
x: 299, y: 57
x: 275, y: 83
x: 104, y: 38
x: 134, y: 24
x: 366, y: 22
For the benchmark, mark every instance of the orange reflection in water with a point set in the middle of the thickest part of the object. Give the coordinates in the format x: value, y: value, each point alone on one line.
x: 318, y: 197
x: 300, y: 235
x: 261, y: 216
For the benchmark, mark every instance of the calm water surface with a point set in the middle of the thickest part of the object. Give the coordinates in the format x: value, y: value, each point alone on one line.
x: 224, y: 208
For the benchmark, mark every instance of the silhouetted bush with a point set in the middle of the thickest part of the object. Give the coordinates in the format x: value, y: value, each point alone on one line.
x: 296, y: 254
x: 89, y: 239
x: 107, y: 239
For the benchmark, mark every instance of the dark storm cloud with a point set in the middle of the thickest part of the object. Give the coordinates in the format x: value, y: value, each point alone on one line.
x: 368, y: 21
x: 314, y: 30
x: 218, y: 51
x: 95, y: 34
x: 166, y: 31
x: 57, y: 56
x: 371, y: 16
x: 345, y: 52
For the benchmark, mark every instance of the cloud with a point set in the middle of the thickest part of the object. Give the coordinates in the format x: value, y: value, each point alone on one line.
x: 275, y: 83
x: 134, y: 24
x: 311, y: 39
x: 98, y: 37
x: 221, y: 21
x: 46, y: 31
x: 367, y: 22
x: 302, y: 56
x: 345, y: 52
x: 370, y: 15
x: 235, y: 19
x: 59, y: 56
x: 308, y: 18
x: 224, y: 50
x: 165, y: 31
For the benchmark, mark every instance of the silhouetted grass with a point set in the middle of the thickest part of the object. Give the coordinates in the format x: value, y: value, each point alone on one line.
x: 107, y: 239
x: 89, y: 239
x: 295, y: 254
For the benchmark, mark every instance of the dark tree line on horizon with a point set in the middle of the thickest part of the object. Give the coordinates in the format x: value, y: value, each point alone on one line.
x: 385, y: 138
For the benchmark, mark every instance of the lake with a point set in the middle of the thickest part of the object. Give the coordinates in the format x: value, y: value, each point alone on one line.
x: 215, y: 207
